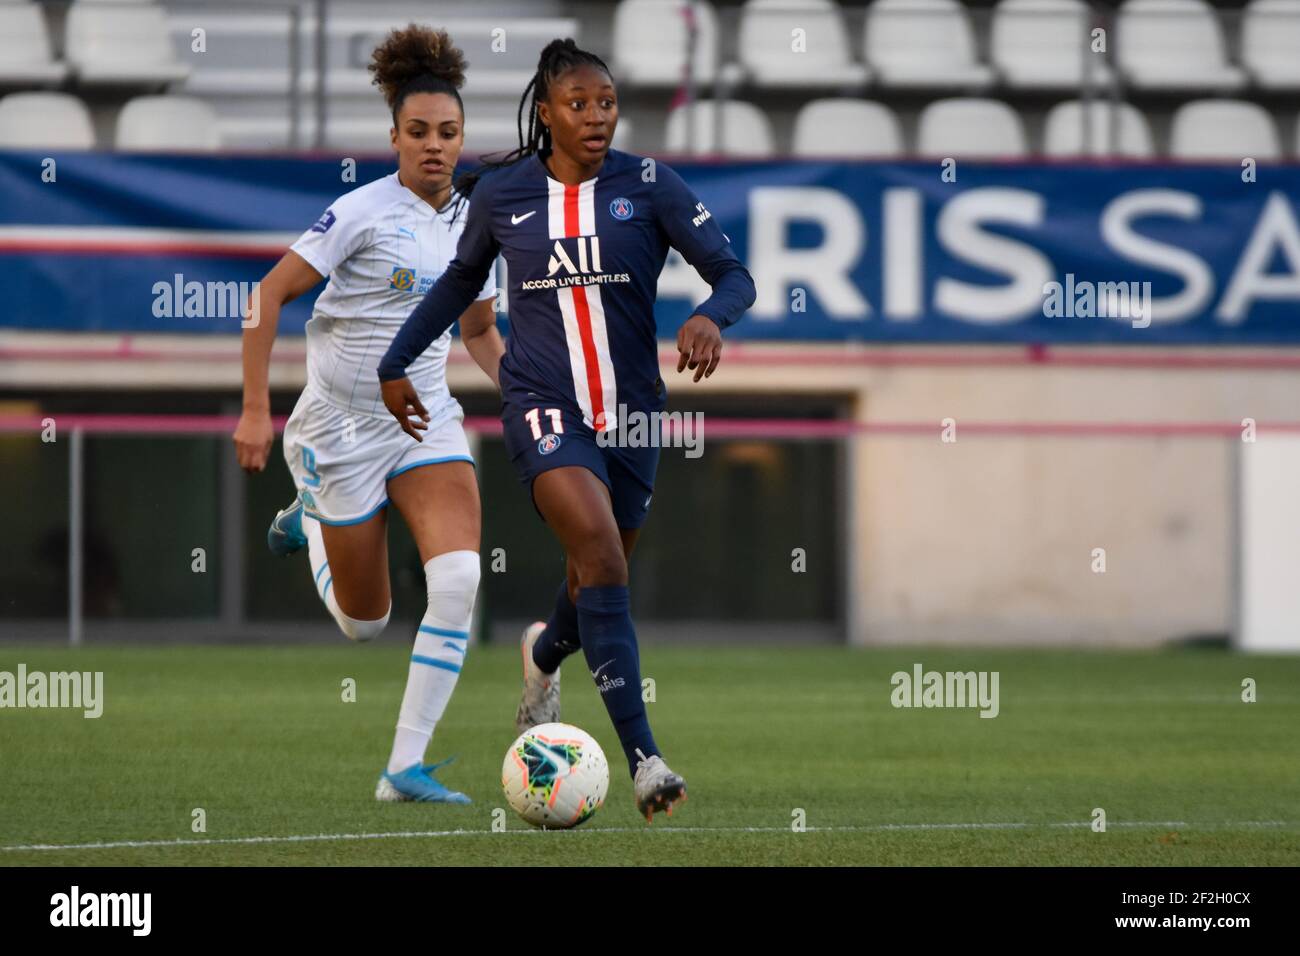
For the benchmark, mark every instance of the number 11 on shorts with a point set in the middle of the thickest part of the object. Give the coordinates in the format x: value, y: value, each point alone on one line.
x: 534, y: 419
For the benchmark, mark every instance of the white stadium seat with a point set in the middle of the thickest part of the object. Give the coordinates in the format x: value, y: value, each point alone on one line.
x: 179, y: 123
x: 1046, y: 44
x: 1173, y: 45
x: 650, y: 40
x: 970, y: 128
x: 483, y: 134
x: 745, y: 130
x: 1270, y: 43
x: 45, y: 121
x: 121, y: 43
x: 1065, y: 133
x: 768, y: 51
x: 25, y: 57
x: 923, y: 44
x: 1229, y: 130
x: 846, y: 128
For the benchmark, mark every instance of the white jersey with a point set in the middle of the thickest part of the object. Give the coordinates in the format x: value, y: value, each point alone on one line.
x: 382, y: 247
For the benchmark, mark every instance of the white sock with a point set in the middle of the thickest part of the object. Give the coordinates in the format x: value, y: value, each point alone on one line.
x: 439, y: 652
x: 320, y: 569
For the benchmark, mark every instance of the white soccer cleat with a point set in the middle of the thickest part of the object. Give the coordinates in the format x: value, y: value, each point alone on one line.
x: 656, y: 786
x: 540, y: 703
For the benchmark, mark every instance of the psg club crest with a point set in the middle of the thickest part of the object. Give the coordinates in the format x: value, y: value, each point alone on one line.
x: 548, y: 444
x: 621, y: 208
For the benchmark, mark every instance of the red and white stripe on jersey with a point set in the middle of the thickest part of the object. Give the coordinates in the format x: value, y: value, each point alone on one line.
x: 571, y: 213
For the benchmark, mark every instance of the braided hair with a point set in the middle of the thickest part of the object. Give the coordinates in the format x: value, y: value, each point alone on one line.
x: 558, y: 57
x: 417, y: 60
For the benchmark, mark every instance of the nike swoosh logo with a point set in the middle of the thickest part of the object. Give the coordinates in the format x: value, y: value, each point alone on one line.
x: 596, y: 673
x: 561, y: 765
x: 516, y: 220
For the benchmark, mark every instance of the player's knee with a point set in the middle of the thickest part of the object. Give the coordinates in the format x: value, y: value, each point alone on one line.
x: 360, y: 630
x: 601, y: 565
x: 452, y: 579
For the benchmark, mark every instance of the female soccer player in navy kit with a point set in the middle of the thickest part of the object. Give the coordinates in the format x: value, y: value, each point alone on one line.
x: 584, y: 231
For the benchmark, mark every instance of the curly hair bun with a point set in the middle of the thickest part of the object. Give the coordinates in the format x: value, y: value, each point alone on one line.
x: 414, y: 52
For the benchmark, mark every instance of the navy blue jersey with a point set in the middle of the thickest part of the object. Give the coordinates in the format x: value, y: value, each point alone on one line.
x: 583, y: 263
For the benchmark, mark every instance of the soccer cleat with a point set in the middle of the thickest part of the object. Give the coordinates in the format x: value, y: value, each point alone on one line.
x: 540, y: 703
x: 417, y: 783
x: 656, y: 787
x: 285, y: 536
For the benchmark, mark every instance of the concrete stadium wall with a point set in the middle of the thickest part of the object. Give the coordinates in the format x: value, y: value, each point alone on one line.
x: 989, y: 539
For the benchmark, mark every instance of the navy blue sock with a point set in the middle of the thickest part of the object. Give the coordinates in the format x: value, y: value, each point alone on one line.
x: 609, y: 643
x: 560, y: 639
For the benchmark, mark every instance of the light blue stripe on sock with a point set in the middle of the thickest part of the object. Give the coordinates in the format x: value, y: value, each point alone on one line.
x: 434, y: 662
x: 328, y: 582
x: 323, y: 568
x: 444, y: 632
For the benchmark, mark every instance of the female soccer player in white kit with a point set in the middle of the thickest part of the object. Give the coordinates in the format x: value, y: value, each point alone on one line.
x: 382, y: 246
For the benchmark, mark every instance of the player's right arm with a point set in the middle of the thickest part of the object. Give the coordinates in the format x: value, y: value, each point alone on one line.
x: 290, y: 278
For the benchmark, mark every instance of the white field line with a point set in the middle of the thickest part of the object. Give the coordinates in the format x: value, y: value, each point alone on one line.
x: 429, y: 834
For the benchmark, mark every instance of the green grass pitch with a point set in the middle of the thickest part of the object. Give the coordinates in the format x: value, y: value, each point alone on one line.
x: 262, y: 741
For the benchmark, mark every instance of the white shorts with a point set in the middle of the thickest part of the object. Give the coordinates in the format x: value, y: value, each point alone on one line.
x: 341, y: 461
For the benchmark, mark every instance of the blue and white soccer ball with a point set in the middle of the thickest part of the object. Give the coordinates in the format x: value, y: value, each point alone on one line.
x: 555, y: 776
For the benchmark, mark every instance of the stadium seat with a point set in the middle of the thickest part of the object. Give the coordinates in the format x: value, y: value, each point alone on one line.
x: 650, y: 40
x: 624, y: 135
x: 45, y: 121
x: 25, y: 58
x: 1270, y: 43
x: 1064, y: 133
x: 767, y: 49
x: 745, y: 129
x: 846, y: 128
x: 1046, y: 44
x: 923, y: 44
x: 970, y: 128
x: 368, y: 133
x: 121, y: 43
x: 1174, y: 45
x: 1223, y: 129
x: 168, y: 123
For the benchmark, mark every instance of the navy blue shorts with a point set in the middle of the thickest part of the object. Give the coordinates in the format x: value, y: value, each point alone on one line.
x: 536, y: 443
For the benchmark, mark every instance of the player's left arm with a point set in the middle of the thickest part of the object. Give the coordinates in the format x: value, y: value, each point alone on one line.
x: 692, y: 231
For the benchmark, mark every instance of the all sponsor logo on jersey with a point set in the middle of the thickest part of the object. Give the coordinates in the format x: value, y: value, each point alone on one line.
x: 548, y: 443
x: 621, y: 208
x: 586, y: 270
